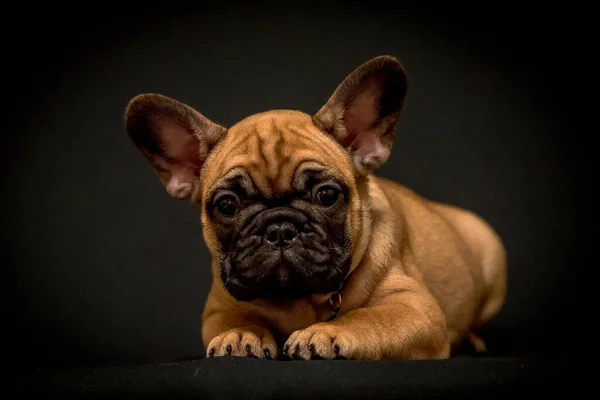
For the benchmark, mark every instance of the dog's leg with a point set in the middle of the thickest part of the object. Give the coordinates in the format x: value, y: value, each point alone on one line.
x: 400, y: 321
x: 237, y: 333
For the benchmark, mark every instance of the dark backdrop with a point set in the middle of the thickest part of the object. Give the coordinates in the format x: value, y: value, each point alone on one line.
x: 100, y: 264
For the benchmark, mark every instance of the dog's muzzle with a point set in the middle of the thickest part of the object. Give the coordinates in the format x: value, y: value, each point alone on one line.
x: 283, y: 253
x: 280, y: 226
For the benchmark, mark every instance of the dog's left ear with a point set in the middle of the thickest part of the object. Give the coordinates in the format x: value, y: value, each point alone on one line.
x: 362, y: 112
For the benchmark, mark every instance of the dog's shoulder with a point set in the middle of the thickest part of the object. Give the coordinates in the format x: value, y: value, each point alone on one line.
x: 399, y: 196
x: 428, y: 223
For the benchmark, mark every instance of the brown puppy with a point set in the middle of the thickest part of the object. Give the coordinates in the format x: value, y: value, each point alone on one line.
x: 312, y: 254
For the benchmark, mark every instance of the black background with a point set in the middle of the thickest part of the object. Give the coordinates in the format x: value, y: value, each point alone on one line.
x: 101, y: 265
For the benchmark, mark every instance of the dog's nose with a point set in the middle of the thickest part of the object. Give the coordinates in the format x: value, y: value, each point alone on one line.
x: 281, y: 233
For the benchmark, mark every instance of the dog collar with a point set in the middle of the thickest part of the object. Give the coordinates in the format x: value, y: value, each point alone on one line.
x: 335, y: 300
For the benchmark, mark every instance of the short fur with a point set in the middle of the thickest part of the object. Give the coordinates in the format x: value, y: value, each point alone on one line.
x: 421, y: 276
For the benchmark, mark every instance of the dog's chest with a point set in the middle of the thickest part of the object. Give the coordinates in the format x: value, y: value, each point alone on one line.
x: 295, y: 316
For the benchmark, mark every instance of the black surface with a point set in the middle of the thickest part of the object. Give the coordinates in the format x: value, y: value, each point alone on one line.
x: 238, y: 378
x: 100, y: 266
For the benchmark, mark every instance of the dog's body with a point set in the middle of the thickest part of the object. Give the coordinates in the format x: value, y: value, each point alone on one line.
x: 298, y: 225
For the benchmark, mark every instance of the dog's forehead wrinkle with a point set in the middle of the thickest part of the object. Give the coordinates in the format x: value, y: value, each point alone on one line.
x: 237, y: 177
x: 273, y: 148
x: 311, y: 170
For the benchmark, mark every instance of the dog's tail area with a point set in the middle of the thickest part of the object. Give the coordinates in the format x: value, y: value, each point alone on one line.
x: 494, y: 275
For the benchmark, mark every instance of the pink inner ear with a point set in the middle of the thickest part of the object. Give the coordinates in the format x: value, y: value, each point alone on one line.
x: 360, y: 115
x: 180, y: 144
x: 364, y: 137
x: 368, y: 149
x: 180, y: 162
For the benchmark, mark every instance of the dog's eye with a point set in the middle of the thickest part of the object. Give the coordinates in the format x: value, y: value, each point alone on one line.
x: 326, y: 196
x: 227, y: 205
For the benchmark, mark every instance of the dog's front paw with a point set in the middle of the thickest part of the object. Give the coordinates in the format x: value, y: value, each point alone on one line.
x: 322, y: 341
x: 247, y: 341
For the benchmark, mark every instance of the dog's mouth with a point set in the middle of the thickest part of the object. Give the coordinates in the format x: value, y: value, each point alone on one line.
x: 288, y: 277
x: 282, y: 274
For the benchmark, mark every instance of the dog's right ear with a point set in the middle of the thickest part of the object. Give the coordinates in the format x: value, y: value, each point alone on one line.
x: 174, y: 138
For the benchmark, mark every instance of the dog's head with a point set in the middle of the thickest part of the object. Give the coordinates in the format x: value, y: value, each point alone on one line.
x: 280, y: 191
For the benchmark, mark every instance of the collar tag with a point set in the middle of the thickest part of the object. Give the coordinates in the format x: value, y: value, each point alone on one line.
x: 335, y: 301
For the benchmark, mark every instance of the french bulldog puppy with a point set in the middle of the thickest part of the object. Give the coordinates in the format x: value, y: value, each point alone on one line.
x: 313, y: 256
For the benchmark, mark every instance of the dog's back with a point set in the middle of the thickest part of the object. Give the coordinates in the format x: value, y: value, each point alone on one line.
x: 456, y: 254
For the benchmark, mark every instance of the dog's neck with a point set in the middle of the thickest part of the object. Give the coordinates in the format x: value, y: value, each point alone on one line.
x: 377, y: 232
x: 366, y: 188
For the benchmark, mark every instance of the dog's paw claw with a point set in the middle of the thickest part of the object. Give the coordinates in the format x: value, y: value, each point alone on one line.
x: 321, y: 341
x: 250, y: 341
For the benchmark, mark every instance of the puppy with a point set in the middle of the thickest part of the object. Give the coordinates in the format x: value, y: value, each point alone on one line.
x: 313, y: 256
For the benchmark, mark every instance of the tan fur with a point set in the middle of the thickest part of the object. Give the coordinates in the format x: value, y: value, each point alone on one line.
x: 424, y: 276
